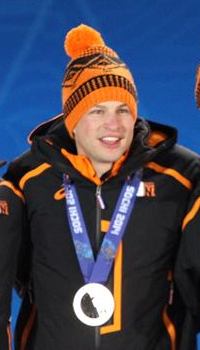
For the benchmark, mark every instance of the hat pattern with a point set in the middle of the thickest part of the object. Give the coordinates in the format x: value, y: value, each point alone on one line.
x: 96, y: 62
x: 95, y: 74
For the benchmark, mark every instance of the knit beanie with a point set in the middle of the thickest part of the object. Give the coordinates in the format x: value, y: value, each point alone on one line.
x: 95, y: 74
x: 197, y: 87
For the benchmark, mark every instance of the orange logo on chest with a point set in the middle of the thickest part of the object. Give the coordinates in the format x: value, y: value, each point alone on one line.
x: 149, y: 189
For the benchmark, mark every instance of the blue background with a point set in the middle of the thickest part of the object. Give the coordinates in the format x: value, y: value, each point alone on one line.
x: 158, y: 39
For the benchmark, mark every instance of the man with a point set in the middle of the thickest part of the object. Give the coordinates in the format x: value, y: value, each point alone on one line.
x: 95, y: 169
x: 187, y: 271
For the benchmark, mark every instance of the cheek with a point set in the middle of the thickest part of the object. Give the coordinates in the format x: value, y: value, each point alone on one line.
x: 130, y: 130
x: 84, y: 130
x: 90, y: 128
x: 129, y: 126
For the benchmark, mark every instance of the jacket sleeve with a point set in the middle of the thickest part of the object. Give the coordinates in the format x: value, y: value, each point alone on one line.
x: 187, y: 270
x: 11, y: 228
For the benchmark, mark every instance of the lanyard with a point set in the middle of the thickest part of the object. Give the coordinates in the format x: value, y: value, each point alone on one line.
x: 98, y: 271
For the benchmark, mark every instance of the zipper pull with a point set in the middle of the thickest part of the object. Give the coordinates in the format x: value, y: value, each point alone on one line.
x: 67, y: 182
x: 171, y: 294
x: 67, y: 179
x: 99, y: 197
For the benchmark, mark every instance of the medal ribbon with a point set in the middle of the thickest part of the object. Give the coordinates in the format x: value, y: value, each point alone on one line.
x: 98, y: 271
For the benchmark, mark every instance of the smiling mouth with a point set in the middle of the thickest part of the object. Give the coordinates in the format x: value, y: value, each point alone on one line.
x: 110, y: 140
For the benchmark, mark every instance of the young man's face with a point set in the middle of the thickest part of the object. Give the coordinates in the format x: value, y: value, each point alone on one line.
x: 104, y: 133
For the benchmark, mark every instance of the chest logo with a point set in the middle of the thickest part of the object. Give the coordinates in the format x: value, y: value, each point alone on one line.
x: 146, y: 189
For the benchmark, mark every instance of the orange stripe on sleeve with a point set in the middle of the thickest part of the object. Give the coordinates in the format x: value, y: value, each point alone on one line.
x: 192, y: 213
x: 171, y: 172
x: 9, y: 334
x: 35, y: 172
x: 170, y: 328
x: 12, y: 188
x: 28, y: 328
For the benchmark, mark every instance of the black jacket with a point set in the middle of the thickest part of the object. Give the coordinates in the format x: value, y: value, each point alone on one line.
x: 36, y: 244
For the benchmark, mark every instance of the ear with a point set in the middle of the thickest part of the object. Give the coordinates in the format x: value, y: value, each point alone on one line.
x: 73, y: 134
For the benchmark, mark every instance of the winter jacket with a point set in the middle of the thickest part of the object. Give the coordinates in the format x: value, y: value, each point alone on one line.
x: 187, y: 271
x: 36, y: 246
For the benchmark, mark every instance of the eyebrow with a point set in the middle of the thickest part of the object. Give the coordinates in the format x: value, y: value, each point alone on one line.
x: 100, y: 106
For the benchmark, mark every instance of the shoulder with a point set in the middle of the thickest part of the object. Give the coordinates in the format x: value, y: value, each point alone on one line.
x: 182, y: 156
x: 20, y: 166
x: 182, y: 160
x: 185, y: 153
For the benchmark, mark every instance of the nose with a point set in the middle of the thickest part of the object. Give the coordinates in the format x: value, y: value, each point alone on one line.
x: 112, y: 121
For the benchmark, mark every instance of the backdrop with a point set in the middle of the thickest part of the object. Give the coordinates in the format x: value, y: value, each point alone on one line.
x: 158, y: 39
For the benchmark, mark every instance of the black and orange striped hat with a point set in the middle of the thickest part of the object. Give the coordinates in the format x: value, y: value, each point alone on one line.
x: 95, y: 74
x: 197, y: 87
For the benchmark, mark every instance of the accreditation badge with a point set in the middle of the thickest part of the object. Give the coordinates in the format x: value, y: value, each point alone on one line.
x: 93, y: 304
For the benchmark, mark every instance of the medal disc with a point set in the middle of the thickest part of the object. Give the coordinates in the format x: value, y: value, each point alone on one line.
x: 93, y: 304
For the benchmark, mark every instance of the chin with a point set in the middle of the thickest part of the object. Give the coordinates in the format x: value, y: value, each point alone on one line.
x: 110, y: 157
x: 113, y: 159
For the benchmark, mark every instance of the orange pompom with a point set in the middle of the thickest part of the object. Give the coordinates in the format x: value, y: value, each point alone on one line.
x: 81, y: 38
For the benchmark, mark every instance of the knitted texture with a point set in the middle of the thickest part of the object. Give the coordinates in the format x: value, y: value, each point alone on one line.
x: 95, y: 74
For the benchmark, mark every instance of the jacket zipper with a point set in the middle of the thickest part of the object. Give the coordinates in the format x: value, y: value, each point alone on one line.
x: 171, y: 293
x: 99, y: 206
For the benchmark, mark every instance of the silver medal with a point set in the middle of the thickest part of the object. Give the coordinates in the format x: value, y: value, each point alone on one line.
x: 93, y: 304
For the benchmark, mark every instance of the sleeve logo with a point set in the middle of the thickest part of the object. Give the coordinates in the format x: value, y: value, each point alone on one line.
x: 4, y: 208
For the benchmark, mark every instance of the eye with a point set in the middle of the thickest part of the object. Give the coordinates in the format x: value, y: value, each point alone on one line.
x: 124, y: 110
x: 97, y: 111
